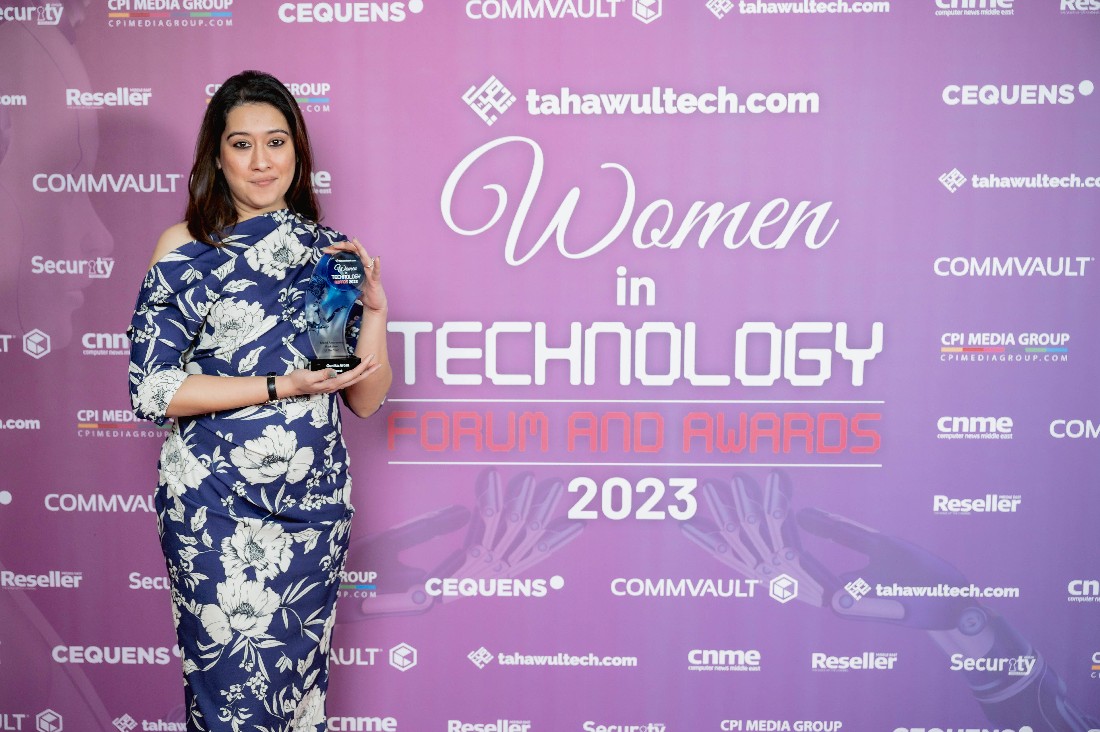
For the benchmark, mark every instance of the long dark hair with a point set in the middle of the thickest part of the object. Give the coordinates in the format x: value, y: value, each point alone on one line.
x: 210, y: 207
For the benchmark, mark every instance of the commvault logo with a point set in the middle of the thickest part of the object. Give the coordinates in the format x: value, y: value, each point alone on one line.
x: 36, y: 343
x: 49, y: 721
x: 646, y: 11
x: 403, y: 657
x: 783, y: 588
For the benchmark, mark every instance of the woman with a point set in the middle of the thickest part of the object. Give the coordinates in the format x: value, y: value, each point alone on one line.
x: 252, y: 501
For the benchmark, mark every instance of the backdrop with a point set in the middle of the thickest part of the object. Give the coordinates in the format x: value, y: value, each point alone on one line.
x: 744, y: 357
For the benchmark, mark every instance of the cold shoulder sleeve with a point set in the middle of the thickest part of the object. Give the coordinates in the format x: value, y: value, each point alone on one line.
x: 168, y: 318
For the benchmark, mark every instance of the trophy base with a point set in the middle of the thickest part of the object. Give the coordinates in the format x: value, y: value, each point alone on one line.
x: 339, y: 365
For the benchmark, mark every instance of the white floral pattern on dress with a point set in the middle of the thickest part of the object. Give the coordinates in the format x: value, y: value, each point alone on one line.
x: 272, y: 456
x: 265, y: 548
x: 234, y: 323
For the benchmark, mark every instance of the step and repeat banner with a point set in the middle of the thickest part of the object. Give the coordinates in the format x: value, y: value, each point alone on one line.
x: 744, y: 358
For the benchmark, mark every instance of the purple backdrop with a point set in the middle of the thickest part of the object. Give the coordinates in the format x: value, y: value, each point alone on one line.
x: 737, y: 345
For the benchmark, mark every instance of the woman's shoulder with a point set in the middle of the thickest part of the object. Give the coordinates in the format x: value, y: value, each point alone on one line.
x: 174, y: 237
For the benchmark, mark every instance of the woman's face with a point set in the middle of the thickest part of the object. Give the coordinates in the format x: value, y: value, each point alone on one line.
x: 257, y: 158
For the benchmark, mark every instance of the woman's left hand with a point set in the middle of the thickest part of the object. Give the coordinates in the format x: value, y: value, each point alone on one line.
x: 372, y: 296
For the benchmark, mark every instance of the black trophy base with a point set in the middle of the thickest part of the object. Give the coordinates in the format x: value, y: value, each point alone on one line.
x: 339, y: 365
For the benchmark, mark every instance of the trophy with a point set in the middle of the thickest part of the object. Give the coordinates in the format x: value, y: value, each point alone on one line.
x: 333, y: 288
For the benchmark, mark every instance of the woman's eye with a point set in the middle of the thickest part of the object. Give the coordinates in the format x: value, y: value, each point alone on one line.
x: 277, y: 142
x: 240, y: 144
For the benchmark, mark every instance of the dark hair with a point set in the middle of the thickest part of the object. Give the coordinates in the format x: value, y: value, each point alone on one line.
x: 209, y: 206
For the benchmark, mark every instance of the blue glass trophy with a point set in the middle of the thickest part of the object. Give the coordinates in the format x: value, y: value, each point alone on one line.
x: 336, y: 282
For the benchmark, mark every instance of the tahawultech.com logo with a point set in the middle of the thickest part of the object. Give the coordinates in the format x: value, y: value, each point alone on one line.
x: 490, y: 100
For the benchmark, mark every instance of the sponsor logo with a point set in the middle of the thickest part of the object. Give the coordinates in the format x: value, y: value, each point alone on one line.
x: 646, y: 11
x: 349, y: 12
x: 169, y: 13
x: 974, y: 7
x: 403, y: 657
x: 490, y: 100
x: 668, y: 101
x: 114, y: 423
x: 105, y: 182
x: 49, y: 721
x: 53, y: 579
x: 866, y: 661
x: 1074, y: 429
x: 138, y: 581
x: 969, y: 95
x: 943, y: 590
x: 1095, y: 665
x: 99, y: 268
x: 1080, y: 7
x: 665, y: 587
x: 358, y: 583
x: 953, y: 180
x: 990, y: 347
x: 1025, y: 728
x: 1084, y: 590
x: 5, y: 339
x: 46, y: 14
x: 20, y: 424
x: 362, y: 724
x: 361, y: 656
x: 542, y: 10
x: 113, y: 655
x: 1011, y: 266
x: 5, y: 498
x: 1014, y: 666
x: 499, y: 725
x: 1040, y: 180
x: 591, y: 726
x: 857, y: 588
x: 122, y: 96
x: 989, y: 503
x: 312, y: 96
x: 36, y: 344
x: 105, y: 344
x: 481, y: 658
x: 492, y: 587
x: 125, y: 723
x: 321, y: 181
x: 798, y: 7
x: 719, y: 8
x: 783, y: 588
x: 779, y: 725
x: 974, y: 428
x: 13, y: 100
x: 98, y: 503
x: 702, y: 659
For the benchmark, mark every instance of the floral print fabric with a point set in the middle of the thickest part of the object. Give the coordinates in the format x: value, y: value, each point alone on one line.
x: 252, y: 504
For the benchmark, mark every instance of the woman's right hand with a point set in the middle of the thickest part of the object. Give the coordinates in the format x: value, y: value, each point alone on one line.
x: 304, y: 382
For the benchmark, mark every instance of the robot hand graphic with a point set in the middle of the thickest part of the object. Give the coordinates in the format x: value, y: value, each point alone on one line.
x: 891, y: 561
x: 510, y: 530
x: 754, y: 532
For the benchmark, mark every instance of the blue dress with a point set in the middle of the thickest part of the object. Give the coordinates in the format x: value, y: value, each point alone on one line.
x: 252, y: 503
